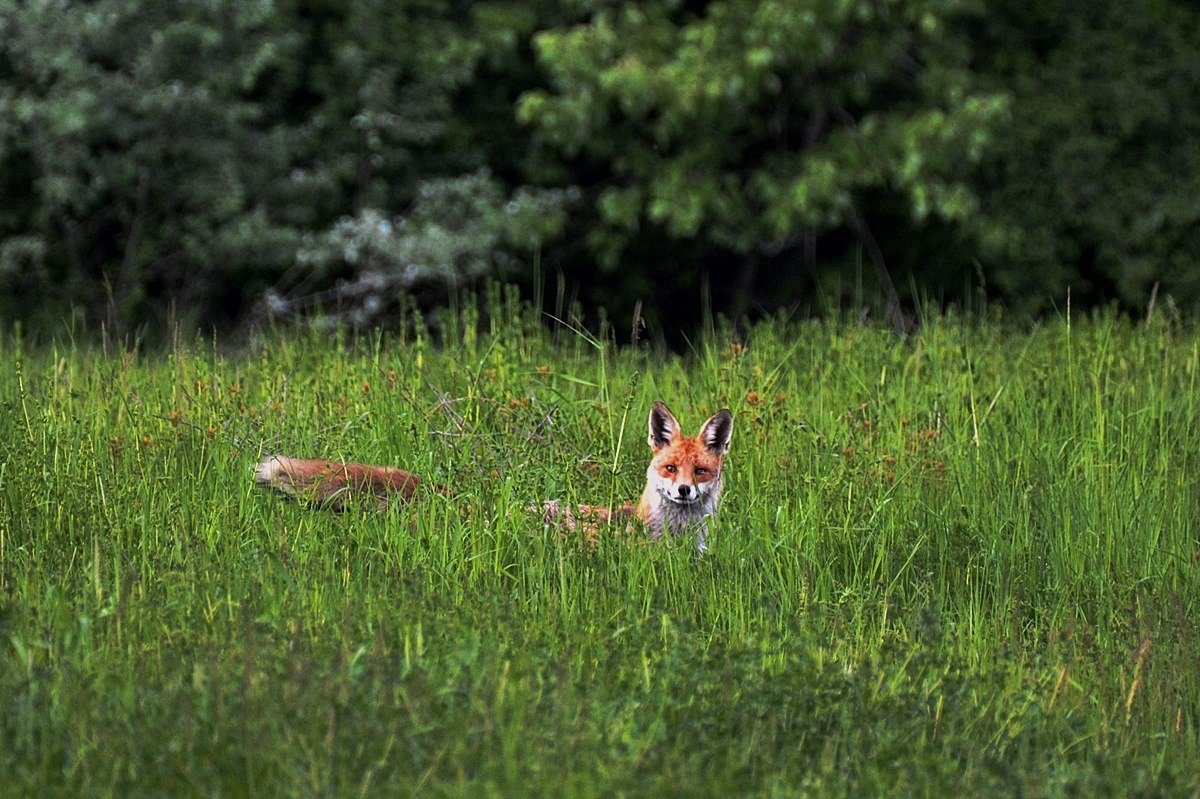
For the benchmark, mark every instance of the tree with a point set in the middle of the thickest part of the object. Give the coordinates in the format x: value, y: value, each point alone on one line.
x: 188, y: 156
x: 137, y: 161
x: 1094, y: 186
x: 414, y: 155
x: 753, y: 126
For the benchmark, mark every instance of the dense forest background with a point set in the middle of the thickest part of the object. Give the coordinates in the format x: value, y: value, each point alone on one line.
x: 217, y: 164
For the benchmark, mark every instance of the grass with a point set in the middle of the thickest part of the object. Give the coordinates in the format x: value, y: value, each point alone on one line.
x: 962, y: 564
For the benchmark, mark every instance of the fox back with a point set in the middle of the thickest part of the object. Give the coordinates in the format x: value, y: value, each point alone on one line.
x: 684, y: 479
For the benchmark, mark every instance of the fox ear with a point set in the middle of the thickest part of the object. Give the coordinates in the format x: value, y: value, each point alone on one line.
x: 663, y: 426
x: 717, y: 431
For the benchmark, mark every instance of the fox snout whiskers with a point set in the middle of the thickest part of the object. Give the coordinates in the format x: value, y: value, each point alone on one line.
x: 682, y: 495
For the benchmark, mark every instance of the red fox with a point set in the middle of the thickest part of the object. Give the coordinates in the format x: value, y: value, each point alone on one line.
x: 683, y: 482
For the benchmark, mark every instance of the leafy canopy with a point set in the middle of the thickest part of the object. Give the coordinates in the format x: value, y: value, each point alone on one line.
x: 745, y: 123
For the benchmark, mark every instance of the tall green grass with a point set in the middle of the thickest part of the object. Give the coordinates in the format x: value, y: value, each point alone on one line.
x: 964, y: 563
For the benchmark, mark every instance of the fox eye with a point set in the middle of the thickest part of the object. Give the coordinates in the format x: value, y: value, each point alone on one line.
x: 701, y: 470
x: 670, y: 467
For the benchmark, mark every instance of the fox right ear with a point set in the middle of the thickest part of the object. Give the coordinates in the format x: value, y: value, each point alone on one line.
x: 663, y: 426
x: 717, y: 431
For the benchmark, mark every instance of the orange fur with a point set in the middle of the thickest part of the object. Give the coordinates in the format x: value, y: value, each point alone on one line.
x: 333, y: 483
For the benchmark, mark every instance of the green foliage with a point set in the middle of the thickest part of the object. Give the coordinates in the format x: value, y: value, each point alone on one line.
x: 749, y: 123
x: 960, y: 565
x: 193, y: 151
x: 1093, y: 187
x: 457, y: 231
x: 215, y: 164
x: 137, y: 163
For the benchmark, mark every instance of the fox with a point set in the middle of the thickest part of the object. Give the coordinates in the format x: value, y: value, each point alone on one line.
x: 683, y: 482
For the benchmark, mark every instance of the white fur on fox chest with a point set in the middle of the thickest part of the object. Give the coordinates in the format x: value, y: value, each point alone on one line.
x: 663, y: 512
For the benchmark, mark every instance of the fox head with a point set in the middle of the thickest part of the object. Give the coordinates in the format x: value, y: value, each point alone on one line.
x: 687, y: 471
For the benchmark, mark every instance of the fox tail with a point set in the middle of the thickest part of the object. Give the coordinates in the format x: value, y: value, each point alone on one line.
x: 318, y: 481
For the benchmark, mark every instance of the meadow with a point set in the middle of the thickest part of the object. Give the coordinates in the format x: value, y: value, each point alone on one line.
x: 965, y: 563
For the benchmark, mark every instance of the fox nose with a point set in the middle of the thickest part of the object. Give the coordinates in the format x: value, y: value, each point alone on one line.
x: 685, y: 490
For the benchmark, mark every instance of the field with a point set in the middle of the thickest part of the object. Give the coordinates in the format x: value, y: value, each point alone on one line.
x: 961, y: 564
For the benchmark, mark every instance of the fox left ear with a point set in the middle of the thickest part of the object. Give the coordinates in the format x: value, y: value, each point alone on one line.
x: 717, y: 431
x: 663, y: 427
